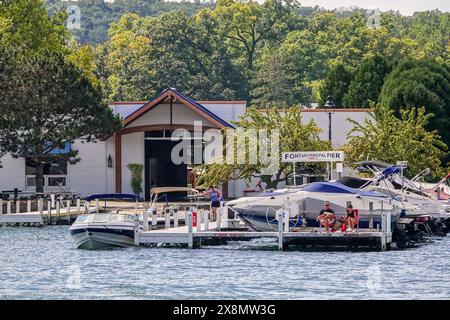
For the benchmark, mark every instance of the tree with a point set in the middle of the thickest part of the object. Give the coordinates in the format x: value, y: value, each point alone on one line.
x: 275, y: 82
x: 386, y: 138
x: 26, y: 23
x: 47, y: 102
x: 367, y: 82
x: 417, y: 83
x: 335, y: 85
x: 293, y: 136
x: 248, y: 24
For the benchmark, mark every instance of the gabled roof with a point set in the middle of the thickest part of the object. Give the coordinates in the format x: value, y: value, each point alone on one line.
x: 187, y: 101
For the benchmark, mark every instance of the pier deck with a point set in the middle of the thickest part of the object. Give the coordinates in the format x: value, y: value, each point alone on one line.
x: 207, y: 234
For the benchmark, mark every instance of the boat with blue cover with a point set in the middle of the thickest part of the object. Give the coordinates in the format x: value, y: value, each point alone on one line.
x: 304, y: 204
x: 108, y: 227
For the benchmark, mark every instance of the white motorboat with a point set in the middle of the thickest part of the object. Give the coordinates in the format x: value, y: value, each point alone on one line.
x: 106, y: 228
x: 304, y: 205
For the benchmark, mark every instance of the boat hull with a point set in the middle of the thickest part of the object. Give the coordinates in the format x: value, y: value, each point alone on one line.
x: 95, y: 238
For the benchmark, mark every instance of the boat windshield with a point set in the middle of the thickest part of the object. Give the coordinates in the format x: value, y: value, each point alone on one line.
x: 105, y: 217
x: 122, y: 218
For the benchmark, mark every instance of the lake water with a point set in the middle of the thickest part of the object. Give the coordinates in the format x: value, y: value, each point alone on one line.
x: 42, y: 263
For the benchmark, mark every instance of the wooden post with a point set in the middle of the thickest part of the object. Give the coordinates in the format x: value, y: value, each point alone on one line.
x: 286, y: 221
x: 97, y: 206
x: 28, y: 205
x: 199, y: 219
x: 8, y: 207
x: 17, y: 206
x: 68, y: 210
x: 136, y: 234
x: 190, y: 234
x: 280, y: 229
x: 41, y: 208
x: 154, y: 218
x: 383, y: 232
x: 52, y: 199
x: 167, y: 221
x: 49, y: 212
x: 219, y: 220
x: 78, y: 206
x: 175, y: 219
x: 206, y: 212
x: 58, y: 211
x: 370, y: 215
x: 145, y: 218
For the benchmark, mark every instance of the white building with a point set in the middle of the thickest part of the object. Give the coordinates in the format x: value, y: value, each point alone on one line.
x: 145, y: 139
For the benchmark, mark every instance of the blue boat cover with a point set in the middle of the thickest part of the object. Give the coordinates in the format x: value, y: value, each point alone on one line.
x: 390, y: 170
x: 112, y: 196
x: 336, y: 187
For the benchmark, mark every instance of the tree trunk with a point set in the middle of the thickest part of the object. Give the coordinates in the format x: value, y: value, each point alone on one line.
x: 39, y: 176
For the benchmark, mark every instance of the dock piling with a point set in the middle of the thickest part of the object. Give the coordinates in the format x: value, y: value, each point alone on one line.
x: 145, y: 218
x: 41, y: 208
x: 190, y: 230
x: 68, y: 210
x: 97, y: 206
x: 219, y: 219
x: 370, y: 215
x: 29, y: 205
x: 17, y: 206
x: 154, y: 218
x: 1, y: 205
x: 167, y: 221
x: 280, y: 216
x: 52, y: 199
x: 49, y: 212
x: 58, y: 211
x: 206, y: 218
x: 8, y: 207
x: 175, y: 219
x: 78, y: 206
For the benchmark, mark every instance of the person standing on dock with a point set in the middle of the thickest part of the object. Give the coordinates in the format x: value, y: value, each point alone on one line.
x: 215, y: 197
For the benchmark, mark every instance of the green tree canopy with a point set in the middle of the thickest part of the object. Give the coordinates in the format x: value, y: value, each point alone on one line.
x: 367, y: 82
x: 417, y: 83
x: 335, y: 85
x: 384, y: 137
x: 26, y: 24
x: 293, y: 136
x: 48, y: 101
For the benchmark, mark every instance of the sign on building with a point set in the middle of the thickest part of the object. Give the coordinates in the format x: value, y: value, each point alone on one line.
x: 313, y: 156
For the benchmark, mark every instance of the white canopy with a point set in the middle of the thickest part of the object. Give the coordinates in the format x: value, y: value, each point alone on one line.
x: 158, y: 190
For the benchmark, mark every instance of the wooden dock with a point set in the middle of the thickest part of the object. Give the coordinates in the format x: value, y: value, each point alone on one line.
x: 207, y: 233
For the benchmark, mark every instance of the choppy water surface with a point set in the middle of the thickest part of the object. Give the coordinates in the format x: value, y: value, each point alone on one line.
x: 42, y: 263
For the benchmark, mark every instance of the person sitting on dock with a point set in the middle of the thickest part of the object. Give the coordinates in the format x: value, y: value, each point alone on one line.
x: 215, y: 196
x: 326, y: 216
x: 350, y: 220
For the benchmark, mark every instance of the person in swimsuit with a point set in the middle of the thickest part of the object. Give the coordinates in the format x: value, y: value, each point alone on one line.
x: 215, y: 196
x: 350, y: 219
x: 326, y: 216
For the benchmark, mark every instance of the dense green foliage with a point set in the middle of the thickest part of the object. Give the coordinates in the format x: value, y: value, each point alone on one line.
x: 417, y: 83
x: 386, y: 138
x: 48, y: 97
x: 263, y: 53
x: 273, y: 53
x: 336, y: 85
x: 293, y: 136
x: 367, y: 82
x: 98, y: 15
